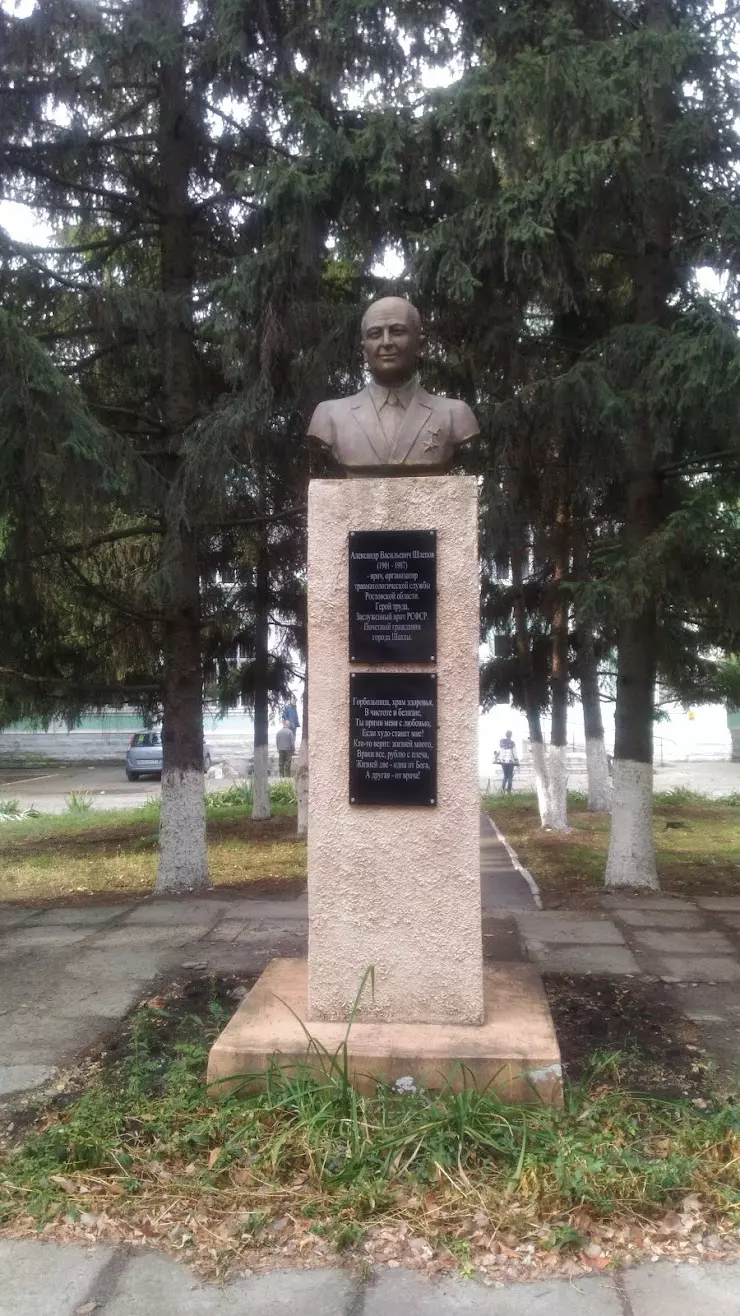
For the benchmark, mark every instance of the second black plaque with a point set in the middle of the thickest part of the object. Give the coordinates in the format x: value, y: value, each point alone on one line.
x: 393, y: 596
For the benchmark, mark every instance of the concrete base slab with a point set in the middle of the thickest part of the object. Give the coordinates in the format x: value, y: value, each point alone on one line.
x: 666, y: 920
x: 682, y: 943
x: 173, y: 913
x: 47, y: 1279
x: 135, y: 935
x: 17, y: 1078
x: 626, y: 901
x: 82, y: 916
x: 668, y: 1289
x: 515, y: 1051
x: 565, y: 928
x: 730, y: 904
x: 153, y: 1285
x: 583, y: 959
x: 47, y: 938
x: 696, y: 968
x: 11, y: 915
x: 403, y: 1293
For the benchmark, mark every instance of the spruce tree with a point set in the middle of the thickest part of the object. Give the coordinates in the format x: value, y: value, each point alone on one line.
x: 595, y: 149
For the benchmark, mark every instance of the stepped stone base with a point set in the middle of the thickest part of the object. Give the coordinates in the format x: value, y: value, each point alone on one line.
x: 514, y: 1053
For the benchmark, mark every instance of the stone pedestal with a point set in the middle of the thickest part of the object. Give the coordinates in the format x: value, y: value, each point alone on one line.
x: 394, y: 887
x: 513, y: 1054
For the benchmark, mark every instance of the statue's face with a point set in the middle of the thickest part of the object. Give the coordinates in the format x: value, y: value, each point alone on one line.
x: 391, y: 340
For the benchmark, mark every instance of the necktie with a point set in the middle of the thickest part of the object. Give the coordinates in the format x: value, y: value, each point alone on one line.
x: 392, y: 415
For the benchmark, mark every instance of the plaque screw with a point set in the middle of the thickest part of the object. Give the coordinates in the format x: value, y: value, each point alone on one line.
x: 353, y: 801
x: 432, y: 801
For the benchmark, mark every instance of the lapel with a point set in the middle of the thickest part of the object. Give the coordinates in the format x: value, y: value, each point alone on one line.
x: 366, y: 416
x: 417, y: 415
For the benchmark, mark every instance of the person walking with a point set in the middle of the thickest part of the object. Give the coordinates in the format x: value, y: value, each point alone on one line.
x: 285, y: 741
x: 507, y: 757
x: 290, y: 714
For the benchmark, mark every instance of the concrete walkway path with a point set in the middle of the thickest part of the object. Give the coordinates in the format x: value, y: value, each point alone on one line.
x: 68, y: 974
x: 503, y: 886
x: 48, y: 1279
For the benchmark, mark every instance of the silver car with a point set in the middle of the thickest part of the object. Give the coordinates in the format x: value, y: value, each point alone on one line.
x: 144, y: 755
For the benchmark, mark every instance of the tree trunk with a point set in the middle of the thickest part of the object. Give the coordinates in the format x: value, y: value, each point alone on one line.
x: 183, y: 858
x: 301, y: 776
x: 261, y: 782
x: 531, y: 704
x: 597, y: 763
x: 631, y: 859
x: 183, y: 855
x: 557, y: 766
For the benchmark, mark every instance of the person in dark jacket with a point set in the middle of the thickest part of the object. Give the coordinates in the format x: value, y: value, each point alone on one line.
x: 285, y: 742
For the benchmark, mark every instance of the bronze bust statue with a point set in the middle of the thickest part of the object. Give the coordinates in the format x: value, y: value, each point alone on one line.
x: 393, y: 426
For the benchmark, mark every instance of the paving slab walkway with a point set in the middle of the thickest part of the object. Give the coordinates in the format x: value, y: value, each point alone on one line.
x: 49, y: 1279
x: 68, y: 974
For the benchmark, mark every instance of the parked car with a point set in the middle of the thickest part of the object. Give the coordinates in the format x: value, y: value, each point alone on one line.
x: 144, y: 755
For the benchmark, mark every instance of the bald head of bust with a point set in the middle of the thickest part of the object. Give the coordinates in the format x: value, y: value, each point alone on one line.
x: 392, y: 339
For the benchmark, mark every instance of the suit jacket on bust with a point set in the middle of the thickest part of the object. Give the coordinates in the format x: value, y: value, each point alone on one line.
x: 431, y: 430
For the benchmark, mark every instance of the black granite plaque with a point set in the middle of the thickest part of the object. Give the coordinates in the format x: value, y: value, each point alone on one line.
x: 393, y: 596
x: 393, y: 738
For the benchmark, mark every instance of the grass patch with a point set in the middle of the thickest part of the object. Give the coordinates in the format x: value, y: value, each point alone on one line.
x: 697, y: 845
x: 147, y: 1149
x: 90, y: 853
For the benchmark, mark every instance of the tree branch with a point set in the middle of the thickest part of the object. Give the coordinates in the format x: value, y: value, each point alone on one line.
x: 113, y: 537
x: 256, y: 520
x: 68, y: 683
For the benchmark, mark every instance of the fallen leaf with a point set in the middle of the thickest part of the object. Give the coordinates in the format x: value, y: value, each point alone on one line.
x: 670, y: 1223
x: 213, y: 1157
x: 61, y: 1181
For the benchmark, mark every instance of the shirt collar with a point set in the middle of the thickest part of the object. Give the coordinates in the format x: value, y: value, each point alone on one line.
x: 404, y: 392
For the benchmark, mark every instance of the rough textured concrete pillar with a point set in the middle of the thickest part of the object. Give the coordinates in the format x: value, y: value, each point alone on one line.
x: 395, y: 888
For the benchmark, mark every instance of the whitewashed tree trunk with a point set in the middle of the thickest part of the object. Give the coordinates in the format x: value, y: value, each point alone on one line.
x: 597, y: 770
x: 539, y: 770
x: 631, y: 860
x: 557, y: 776
x: 557, y: 789
x: 261, y: 783
x: 183, y: 853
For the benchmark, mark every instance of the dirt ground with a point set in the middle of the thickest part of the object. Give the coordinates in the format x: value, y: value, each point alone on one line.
x: 654, y: 1047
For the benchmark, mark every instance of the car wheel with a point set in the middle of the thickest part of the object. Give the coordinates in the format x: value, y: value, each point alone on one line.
x: 132, y: 776
x: 207, y: 763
